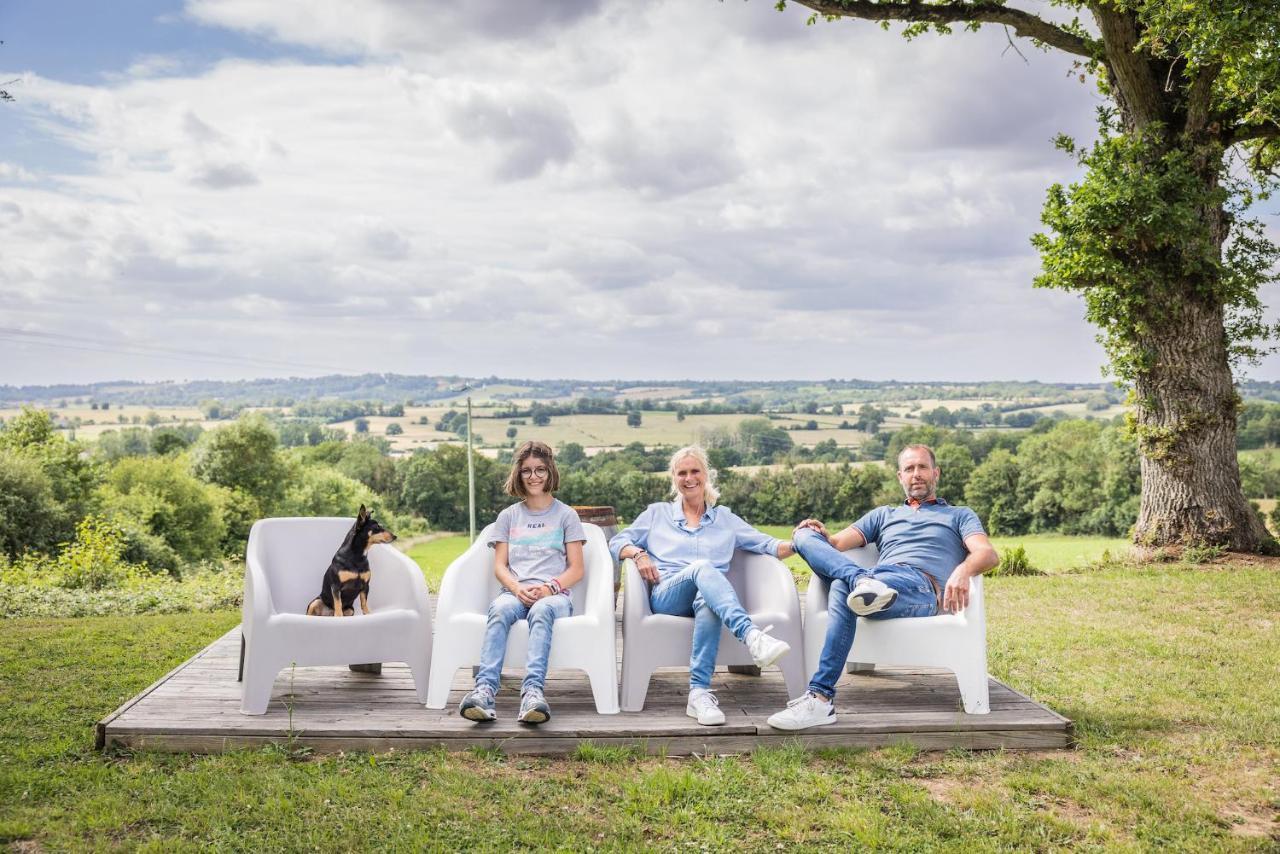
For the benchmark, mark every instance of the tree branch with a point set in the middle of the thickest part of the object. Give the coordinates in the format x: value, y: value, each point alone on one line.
x: 1248, y: 133
x: 1024, y: 24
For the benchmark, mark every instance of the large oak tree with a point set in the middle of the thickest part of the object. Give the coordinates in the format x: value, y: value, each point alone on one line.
x: 1155, y: 236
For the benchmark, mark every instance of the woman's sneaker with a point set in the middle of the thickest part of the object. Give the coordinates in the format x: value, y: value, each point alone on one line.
x: 704, y: 706
x: 803, y: 712
x: 765, y: 649
x: 533, y: 707
x: 870, y: 596
x: 479, y: 705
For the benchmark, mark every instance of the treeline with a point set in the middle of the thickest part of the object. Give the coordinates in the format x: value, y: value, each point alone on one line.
x: 176, y: 495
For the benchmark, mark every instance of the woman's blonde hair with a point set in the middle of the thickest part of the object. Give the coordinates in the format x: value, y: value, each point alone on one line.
x: 710, y: 493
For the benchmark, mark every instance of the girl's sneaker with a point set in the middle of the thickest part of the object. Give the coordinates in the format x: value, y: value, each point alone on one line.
x: 479, y: 705
x: 704, y: 706
x: 533, y: 707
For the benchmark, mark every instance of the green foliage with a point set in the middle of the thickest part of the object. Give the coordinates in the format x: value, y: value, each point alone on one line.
x: 30, y: 516
x: 434, y: 485
x: 161, y: 495
x: 1132, y: 236
x: 243, y: 456
x: 71, y: 478
x: 1014, y: 561
x: 956, y: 462
x: 93, y: 561
x: 786, y: 496
x: 992, y: 492
x: 319, y: 491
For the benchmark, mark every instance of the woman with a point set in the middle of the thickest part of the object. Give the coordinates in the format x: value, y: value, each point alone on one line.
x: 683, y: 549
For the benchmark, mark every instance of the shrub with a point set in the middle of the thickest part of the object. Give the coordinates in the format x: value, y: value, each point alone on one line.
x: 93, y: 561
x: 1016, y: 562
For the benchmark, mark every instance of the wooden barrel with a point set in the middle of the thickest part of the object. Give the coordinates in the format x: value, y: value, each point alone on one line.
x: 608, y: 522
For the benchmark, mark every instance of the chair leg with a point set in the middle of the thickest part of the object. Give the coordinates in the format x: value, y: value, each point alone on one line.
x: 973, y: 690
x: 635, y: 684
x: 858, y: 667
x: 442, y: 673
x: 744, y: 669
x: 604, y: 684
x: 375, y: 669
x: 420, y: 669
x: 255, y: 692
x: 240, y: 675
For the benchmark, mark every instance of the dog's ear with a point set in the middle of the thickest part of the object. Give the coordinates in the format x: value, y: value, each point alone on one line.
x: 363, y: 515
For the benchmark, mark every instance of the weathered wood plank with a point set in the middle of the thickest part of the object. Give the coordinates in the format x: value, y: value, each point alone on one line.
x: 196, y: 708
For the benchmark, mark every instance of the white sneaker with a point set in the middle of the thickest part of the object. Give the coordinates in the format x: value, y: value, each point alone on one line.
x: 765, y: 649
x: 803, y: 712
x: 704, y: 706
x: 870, y: 596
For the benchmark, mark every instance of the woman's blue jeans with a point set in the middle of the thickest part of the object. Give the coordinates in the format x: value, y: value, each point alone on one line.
x: 503, y: 613
x: 703, y: 592
x: 915, y: 599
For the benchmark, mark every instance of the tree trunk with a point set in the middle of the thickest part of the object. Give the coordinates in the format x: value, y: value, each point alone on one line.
x: 1186, y: 415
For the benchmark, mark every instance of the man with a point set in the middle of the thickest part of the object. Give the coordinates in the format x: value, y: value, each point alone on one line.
x: 929, y: 551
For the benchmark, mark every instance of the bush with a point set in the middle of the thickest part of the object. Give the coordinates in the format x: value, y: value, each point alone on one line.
x: 1016, y: 562
x: 93, y: 561
x: 30, y: 517
x: 161, y: 497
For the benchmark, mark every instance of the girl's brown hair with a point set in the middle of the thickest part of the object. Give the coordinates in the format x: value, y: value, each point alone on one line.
x: 540, y: 450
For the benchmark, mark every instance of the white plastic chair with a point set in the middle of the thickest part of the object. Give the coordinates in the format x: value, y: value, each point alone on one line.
x: 583, y: 641
x: 284, y: 566
x: 768, y: 594
x: 957, y: 642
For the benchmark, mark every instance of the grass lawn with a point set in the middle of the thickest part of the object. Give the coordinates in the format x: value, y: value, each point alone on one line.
x: 1168, y: 672
x: 434, y: 556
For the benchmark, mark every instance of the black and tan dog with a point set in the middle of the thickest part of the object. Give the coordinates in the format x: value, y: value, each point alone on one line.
x: 348, y: 574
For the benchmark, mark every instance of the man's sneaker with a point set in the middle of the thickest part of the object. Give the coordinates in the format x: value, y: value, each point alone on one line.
x: 704, y: 706
x: 533, y: 707
x: 803, y: 712
x: 870, y: 596
x: 479, y: 705
x: 765, y: 649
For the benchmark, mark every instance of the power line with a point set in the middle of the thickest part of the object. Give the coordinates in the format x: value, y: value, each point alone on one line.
x: 62, y: 341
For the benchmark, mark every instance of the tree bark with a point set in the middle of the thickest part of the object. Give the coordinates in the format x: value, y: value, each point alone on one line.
x: 1186, y: 416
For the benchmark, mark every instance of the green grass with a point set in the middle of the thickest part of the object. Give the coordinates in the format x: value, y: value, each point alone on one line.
x: 434, y: 556
x: 1059, y: 552
x: 1168, y: 673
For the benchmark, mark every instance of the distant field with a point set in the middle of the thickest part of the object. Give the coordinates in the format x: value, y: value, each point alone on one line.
x: 109, y: 419
x: 1261, y: 455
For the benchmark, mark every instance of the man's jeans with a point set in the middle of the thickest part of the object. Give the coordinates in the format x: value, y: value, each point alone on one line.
x: 503, y: 613
x: 703, y: 592
x: 915, y: 599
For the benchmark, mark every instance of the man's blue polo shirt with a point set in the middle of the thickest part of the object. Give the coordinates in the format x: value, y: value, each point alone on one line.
x: 929, y: 537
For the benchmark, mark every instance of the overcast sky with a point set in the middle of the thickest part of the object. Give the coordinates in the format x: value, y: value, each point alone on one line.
x: 577, y: 188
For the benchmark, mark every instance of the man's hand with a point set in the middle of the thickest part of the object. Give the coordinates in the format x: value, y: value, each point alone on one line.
x: 955, y: 598
x: 529, y: 593
x: 648, y: 570
x: 813, y: 525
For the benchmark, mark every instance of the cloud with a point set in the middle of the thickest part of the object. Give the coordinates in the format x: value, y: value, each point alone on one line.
x: 530, y: 129
x: 595, y: 189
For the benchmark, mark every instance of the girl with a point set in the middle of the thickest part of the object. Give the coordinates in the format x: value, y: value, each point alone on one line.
x: 537, y: 558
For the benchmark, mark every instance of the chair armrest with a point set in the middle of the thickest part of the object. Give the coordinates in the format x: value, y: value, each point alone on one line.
x: 769, y: 585
x: 597, y: 573
x: 257, y: 605
x: 635, y: 595
x: 817, y: 597
x: 467, y: 582
x: 396, y: 580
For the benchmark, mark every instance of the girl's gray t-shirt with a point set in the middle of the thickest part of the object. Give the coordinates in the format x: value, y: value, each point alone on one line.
x: 536, y: 540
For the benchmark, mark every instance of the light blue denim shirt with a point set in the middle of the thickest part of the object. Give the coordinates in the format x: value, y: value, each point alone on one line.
x: 661, y: 530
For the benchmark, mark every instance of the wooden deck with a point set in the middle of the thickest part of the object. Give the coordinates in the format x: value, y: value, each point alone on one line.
x: 196, y: 708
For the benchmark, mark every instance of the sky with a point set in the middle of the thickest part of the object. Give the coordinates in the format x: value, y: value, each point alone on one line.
x: 591, y: 189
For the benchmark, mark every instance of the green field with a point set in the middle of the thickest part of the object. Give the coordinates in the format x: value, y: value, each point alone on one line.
x: 434, y: 556
x: 1176, y: 751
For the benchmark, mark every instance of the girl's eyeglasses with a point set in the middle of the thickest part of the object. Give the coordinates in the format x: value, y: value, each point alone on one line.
x: 540, y: 471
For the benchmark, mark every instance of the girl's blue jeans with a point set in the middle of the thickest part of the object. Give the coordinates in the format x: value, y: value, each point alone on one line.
x: 503, y: 613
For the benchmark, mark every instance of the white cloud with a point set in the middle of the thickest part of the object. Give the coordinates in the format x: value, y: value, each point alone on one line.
x: 584, y: 188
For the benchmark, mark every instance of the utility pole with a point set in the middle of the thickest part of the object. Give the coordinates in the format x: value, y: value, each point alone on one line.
x: 471, y: 476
